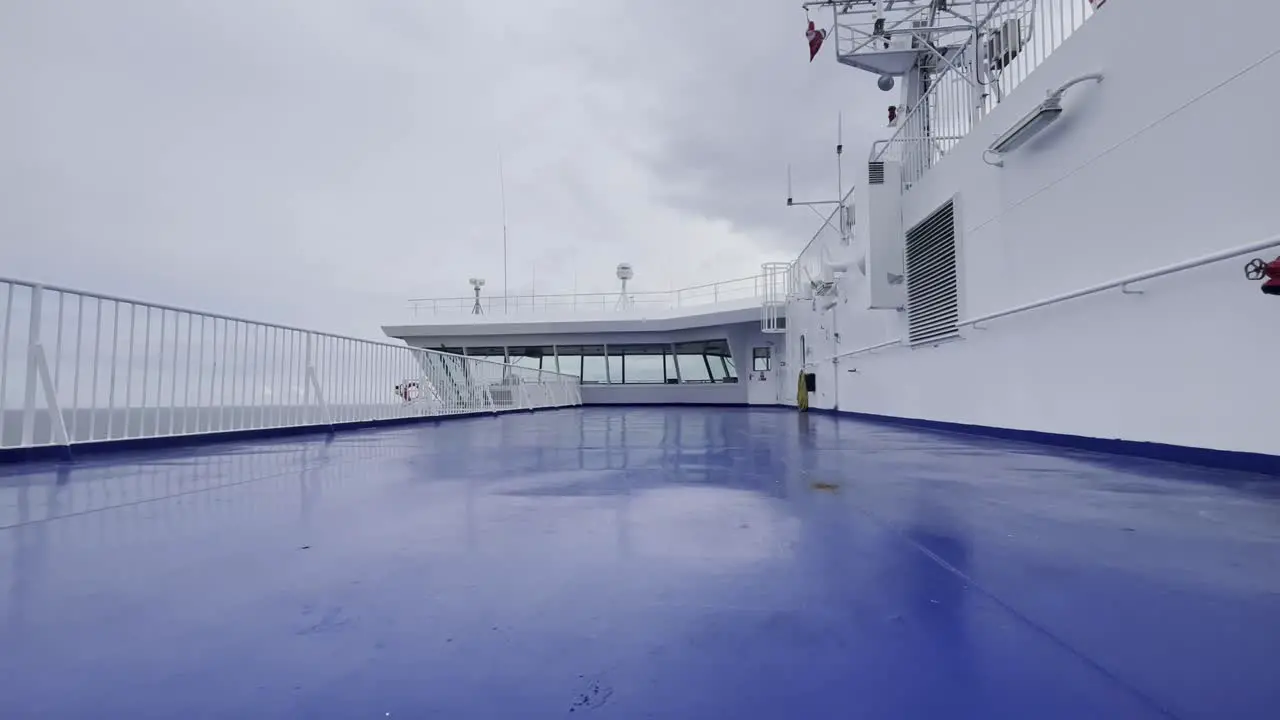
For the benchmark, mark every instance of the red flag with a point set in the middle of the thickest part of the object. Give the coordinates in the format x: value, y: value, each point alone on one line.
x: 815, y: 38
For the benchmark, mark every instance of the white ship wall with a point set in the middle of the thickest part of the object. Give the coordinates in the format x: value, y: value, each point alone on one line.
x: 1173, y: 156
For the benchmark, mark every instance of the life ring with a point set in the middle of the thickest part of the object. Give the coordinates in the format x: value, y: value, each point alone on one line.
x: 409, y: 391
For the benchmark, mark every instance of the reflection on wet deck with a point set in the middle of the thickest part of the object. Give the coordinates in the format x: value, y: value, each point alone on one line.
x: 636, y: 563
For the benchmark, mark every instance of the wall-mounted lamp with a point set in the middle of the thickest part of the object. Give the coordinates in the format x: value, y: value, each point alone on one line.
x: 1032, y: 123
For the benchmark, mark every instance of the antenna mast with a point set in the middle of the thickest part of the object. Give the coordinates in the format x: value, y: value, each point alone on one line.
x: 502, y: 193
x: 842, y: 209
x: 624, y: 273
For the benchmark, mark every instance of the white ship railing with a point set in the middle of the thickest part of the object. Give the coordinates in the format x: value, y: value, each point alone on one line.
x: 946, y: 113
x: 737, y: 289
x: 79, y: 367
x: 1122, y: 284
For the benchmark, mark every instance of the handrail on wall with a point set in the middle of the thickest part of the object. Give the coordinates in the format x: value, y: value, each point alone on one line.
x: 868, y: 348
x: 1211, y: 258
x: 1201, y: 261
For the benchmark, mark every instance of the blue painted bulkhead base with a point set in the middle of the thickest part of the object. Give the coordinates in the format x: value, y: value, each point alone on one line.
x: 634, y: 563
x: 1204, y: 457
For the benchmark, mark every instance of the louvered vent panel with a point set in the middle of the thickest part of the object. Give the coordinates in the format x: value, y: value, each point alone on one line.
x: 932, y: 296
x: 875, y: 173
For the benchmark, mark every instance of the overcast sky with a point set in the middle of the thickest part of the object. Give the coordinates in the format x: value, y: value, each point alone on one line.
x: 318, y: 162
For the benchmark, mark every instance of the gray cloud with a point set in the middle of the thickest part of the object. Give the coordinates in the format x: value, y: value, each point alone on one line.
x: 734, y: 99
x: 319, y: 162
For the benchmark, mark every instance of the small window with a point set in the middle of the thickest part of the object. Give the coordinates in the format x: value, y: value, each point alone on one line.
x: 760, y: 359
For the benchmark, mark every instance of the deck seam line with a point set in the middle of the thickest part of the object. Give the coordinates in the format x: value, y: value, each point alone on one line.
x: 1132, y: 690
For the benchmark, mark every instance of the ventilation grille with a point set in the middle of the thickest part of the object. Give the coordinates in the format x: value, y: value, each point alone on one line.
x: 875, y: 173
x: 932, y: 296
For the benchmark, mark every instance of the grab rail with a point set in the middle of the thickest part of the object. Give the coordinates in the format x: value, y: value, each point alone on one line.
x: 868, y: 348
x: 1267, y: 243
x: 1209, y: 259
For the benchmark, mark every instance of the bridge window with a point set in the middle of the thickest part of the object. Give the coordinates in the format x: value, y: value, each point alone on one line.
x: 492, y: 354
x: 570, y: 359
x: 718, y: 367
x: 615, y: 364
x: 693, y: 366
x: 639, y: 364
x: 669, y: 368
x: 705, y: 361
x: 720, y: 361
x: 534, y: 358
x: 593, y: 364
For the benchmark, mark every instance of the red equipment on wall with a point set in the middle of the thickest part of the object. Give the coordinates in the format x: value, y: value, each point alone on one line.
x: 1257, y: 270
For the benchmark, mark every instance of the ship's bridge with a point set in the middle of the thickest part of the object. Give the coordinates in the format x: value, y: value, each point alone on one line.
x: 718, y: 343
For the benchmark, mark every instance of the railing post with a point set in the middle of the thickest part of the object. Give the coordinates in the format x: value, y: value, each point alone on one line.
x: 38, y: 372
x: 56, y: 421
x: 312, y: 384
x: 315, y: 385
x: 306, y: 385
x: 33, y: 341
x: 424, y: 383
x: 525, y: 403
x: 487, y: 397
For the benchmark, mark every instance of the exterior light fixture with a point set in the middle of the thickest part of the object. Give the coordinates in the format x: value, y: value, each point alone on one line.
x: 1041, y: 117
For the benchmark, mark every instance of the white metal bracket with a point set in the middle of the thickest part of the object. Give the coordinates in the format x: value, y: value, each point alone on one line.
x: 39, y: 366
x: 38, y: 371
x: 313, y: 383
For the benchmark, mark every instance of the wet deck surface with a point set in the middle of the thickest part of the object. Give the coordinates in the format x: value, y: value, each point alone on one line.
x: 632, y: 563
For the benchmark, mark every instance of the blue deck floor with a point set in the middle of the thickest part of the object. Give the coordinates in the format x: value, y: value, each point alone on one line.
x: 633, y: 563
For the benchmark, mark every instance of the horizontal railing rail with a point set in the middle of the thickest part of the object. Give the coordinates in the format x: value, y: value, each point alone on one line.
x: 743, y: 288
x: 1122, y: 283
x: 80, y: 367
